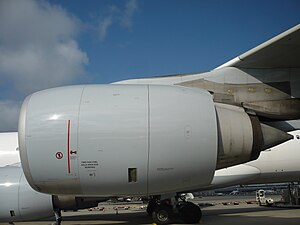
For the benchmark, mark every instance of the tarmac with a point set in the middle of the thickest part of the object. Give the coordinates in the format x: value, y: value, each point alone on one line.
x: 218, y: 210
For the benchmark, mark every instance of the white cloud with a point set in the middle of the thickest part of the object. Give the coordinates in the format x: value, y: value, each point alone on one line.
x: 104, y: 26
x: 38, y: 50
x: 130, y: 8
x: 123, y: 17
x: 34, y: 68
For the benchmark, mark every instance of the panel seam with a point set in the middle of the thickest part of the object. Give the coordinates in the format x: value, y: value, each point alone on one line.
x: 148, y: 160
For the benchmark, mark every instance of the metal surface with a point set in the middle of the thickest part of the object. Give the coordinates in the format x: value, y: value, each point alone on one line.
x: 236, y: 136
x: 242, y: 137
x: 100, y: 132
x: 19, y: 201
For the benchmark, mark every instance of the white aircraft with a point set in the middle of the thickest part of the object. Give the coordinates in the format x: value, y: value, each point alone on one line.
x: 161, y: 136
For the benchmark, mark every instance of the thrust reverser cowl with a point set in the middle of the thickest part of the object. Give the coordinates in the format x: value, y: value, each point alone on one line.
x: 118, y: 140
x: 241, y: 137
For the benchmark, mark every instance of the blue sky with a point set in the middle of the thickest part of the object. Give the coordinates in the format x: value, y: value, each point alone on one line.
x: 52, y: 43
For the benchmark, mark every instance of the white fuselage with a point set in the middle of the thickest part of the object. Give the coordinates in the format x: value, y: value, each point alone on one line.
x: 9, y: 151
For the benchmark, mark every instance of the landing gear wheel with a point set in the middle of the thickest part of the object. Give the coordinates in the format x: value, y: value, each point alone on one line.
x: 189, y: 212
x: 162, y: 214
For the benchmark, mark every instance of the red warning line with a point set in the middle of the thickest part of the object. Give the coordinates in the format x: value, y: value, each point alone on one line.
x: 68, y: 144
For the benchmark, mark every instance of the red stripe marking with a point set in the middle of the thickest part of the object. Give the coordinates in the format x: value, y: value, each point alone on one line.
x: 69, y: 168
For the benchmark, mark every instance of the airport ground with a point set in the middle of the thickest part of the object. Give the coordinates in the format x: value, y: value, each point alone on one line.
x: 217, y: 210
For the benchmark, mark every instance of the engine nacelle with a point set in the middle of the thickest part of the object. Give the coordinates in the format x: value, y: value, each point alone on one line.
x: 127, y: 140
x: 116, y: 140
x: 19, y: 202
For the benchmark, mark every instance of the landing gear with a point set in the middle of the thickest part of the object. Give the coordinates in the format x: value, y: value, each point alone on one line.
x: 165, y: 210
x: 58, y: 217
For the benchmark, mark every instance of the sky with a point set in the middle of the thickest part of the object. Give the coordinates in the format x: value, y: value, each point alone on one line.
x: 50, y: 43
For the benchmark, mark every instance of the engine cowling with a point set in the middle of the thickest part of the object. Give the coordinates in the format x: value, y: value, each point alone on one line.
x: 126, y: 140
x: 19, y: 202
x: 115, y: 140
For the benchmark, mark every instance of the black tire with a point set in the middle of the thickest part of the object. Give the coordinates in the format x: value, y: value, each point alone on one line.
x: 190, y: 213
x: 162, y: 214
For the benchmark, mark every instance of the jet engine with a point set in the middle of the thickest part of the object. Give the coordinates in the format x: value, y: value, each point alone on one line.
x: 19, y: 202
x: 126, y: 140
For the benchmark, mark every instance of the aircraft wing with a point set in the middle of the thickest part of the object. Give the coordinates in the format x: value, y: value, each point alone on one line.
x: 282, y: 51
x: 264, y: 80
